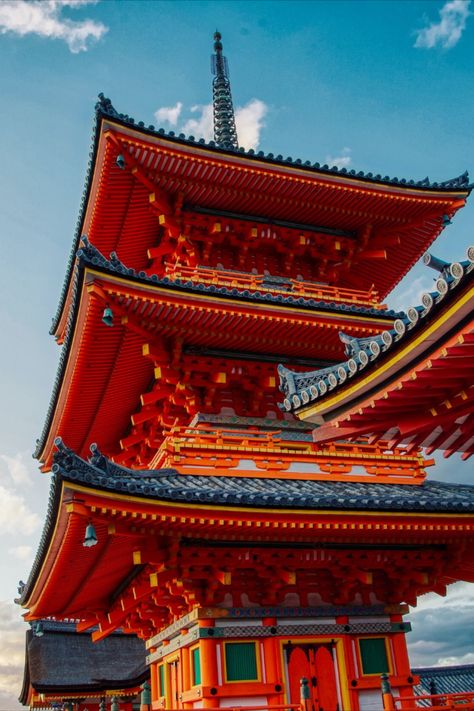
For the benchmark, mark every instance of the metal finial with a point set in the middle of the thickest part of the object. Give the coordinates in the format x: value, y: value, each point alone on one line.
x: 225, y: 133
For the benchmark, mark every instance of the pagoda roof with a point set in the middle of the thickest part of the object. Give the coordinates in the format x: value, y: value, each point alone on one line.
x: 115, y: 663
x: 332, y: 395
x: 188, y: 155
x: 103, y: 476
x: 169, y: 485
x: 447, y: 680
x: 138, y: 514
x: 91, y: 266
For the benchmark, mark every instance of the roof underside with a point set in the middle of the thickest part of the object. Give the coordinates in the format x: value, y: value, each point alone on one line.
x: 387, y: 214
x: 168, y: 503
x: 416, y: 387
x: 108, y: 372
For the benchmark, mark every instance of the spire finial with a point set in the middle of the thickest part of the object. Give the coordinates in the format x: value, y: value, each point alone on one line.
x: 225, y: 133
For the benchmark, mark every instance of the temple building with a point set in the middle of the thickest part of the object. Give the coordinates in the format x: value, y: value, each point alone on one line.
x: 236, y: 427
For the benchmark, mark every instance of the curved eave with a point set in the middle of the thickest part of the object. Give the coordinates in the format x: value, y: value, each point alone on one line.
x: 107, y: 118
x: 422, y: 340
x: 197, y: 506
x: 85, y: 390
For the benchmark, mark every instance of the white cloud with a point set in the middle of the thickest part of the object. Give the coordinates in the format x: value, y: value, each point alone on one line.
x: 202, y: 126
x: 12, y: 653
x: 341, y: 161
x: 15, y: 516
x: 447, y: 32
x: 169, y: 114
x: 411, y: 294
x: 45, y: 18
x: 21, y: 552
x: 16, y: 468
x: 249, y: 121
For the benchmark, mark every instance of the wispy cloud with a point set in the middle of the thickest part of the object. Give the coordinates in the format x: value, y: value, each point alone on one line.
x: 16, y: 468
x: 46, y: 19
x: 15, y: 513
x: 169, y: 114
x: 21, y: 552
x: 201, y: 125
x: 12, y: 634
x: 249, y: 120
x: 411, y: 295
x: 448, y: 30
x: 341, y: 161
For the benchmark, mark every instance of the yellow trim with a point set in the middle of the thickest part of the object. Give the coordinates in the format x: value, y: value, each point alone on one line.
x: 52, y: 539
x: 258, y: 663
x: 388, y: 653
x: 170, y: 703
x: 307, y: 314
x: 328, y: 404
x: 306, y: 512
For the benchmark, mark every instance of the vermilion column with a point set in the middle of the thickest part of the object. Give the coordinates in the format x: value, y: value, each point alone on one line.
x: 209, y: 675
x: 273, y: 671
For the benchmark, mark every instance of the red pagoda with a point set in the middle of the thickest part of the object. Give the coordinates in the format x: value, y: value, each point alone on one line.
x: 194, y: 505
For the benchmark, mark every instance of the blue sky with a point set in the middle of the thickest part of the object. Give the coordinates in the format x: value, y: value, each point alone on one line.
x: 385, y: 87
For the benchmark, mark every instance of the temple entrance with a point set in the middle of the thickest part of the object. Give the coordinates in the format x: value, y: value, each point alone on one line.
x: 316, y: 662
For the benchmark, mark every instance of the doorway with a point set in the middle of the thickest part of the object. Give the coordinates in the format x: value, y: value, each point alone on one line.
x: 317, y: 662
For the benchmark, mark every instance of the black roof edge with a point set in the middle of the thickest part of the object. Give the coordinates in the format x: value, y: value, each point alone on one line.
x: 104, y: 109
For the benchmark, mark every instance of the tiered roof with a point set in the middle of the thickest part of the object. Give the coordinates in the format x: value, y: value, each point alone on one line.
x: 210, y: 508
x: 405, y: 216
x: 432, y: 344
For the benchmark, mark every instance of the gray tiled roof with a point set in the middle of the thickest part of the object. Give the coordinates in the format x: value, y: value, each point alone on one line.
x: 364, y: 354
x: 115, y: 662
x: 168, y: 485
x: 445, y: 680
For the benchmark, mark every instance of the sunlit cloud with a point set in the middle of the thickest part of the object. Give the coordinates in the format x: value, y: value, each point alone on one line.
x: 15, y: 515
x: 201, y: 125
x: 21, y: 552
x: 249, y: 121
x: 169, y: 114
x: 411, y: 295
x: 16, y: 468
x: 343, y: 160
x: 45, y: 18
x: 447, y: 32
x: 12, y: 653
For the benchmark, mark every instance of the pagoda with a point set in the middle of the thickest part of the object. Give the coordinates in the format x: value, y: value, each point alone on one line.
x: 195, y: 505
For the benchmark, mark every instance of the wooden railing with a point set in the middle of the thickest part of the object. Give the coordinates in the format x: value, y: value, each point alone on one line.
x: 274, y: 441
x: 259, y: 282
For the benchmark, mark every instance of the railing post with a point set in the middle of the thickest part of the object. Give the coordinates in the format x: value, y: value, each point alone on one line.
x: 304, y: 693
x: 145, y: 697
x: 387, y: 696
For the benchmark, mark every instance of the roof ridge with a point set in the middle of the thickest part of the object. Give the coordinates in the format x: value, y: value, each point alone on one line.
x: 300, y: 388
x: 105, y: 107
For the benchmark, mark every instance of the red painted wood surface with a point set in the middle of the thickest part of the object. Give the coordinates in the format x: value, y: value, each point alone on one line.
x: 315, y: 662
